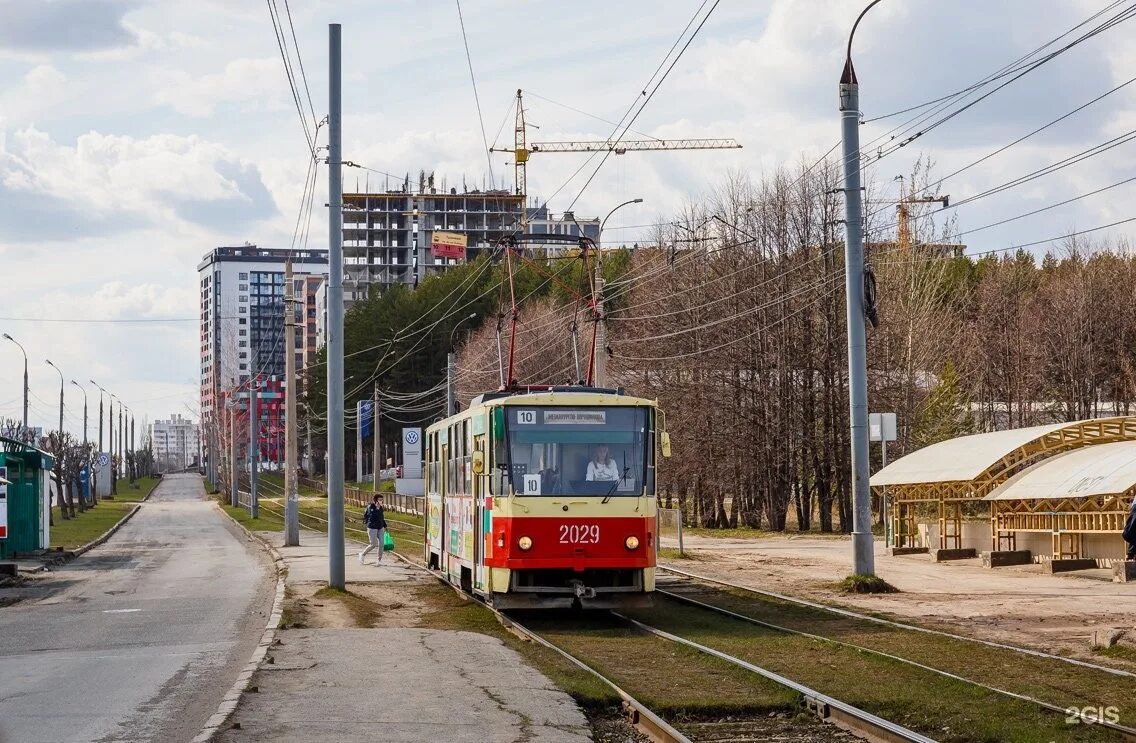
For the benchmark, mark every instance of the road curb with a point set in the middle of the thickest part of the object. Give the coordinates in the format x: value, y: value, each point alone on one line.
x: 229, y: 702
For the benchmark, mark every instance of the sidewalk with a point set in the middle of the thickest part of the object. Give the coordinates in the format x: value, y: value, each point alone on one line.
x: 331, y: 680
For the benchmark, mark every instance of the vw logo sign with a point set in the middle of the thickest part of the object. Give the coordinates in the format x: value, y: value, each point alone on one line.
x: 104, y: 460
x: 412, y: 437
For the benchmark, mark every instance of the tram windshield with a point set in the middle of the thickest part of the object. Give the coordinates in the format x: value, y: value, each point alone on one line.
x: 576, y: 451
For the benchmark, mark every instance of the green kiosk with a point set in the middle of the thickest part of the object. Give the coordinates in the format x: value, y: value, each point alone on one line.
x: 23, y: 499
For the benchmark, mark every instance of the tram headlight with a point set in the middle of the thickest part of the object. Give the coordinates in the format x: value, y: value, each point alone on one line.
x: 632, y: 542
x: 524, y: 543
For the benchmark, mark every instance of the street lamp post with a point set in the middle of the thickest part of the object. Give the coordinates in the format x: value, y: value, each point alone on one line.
x: 599, y: 352
x: 863, y: 558
x: 95, y: 487
x: 25, y: 353
x: 60, y: 373
x: 451, y: 399
x: 86, y: 453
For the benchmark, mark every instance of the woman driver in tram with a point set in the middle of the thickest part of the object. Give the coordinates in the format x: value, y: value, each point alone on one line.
x: 601, y: 467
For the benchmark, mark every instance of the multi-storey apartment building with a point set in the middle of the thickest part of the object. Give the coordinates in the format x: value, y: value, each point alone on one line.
x: 387, y: 235
x: 177, y: 443
x: 242, y: 326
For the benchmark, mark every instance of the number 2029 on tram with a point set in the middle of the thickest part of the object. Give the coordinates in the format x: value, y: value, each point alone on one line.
x: 544, y: 497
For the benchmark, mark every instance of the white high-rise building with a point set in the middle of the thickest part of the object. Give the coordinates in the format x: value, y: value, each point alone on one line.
x: 177, y: 443
x: 242, y: 321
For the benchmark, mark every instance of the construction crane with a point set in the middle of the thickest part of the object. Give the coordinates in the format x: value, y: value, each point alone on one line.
x: 522, y: 149
x: 903, y: 214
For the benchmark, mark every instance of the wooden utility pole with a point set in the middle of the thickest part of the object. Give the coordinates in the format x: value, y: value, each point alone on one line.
x: 291, y: 494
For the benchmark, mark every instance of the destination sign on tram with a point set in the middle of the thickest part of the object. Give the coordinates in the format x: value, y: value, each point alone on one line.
x: 563, y: 417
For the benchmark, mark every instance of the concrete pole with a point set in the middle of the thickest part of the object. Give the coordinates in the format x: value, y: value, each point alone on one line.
x: 359, y: 441
x: 110, y: 444
x: 863, y: 559
x: 234, y: 471
x: 376, y: 455
x: 291, y: 491
x: 450, y: 383
x: 335, y: 546
x: 254, y: 446
x: 601, y: 330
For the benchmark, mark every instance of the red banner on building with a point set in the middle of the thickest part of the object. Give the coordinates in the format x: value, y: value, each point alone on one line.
x: 448, y: 245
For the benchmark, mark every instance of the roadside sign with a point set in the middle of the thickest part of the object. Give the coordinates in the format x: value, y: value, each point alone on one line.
x: 881, y: 426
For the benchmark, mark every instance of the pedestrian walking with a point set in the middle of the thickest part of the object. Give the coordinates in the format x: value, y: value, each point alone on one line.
x: 376, y: 520
x: 1130, y: 532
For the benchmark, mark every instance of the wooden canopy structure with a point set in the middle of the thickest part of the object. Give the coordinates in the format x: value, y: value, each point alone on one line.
x: 1070, y: 495
x: 966, y: 469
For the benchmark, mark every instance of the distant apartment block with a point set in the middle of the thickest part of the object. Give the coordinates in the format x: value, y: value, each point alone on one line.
x: 177, y: 443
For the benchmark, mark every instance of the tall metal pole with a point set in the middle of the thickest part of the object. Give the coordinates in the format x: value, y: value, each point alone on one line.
x: 376, y: 455
x: 359, y: 404
x: 600, y: 358
x: 110, y: 444
x: 58, y: 371
x: 254, y: 447
x: 234, y: 450
x: 25, y: 353
x: 450, y: 383
x: 291, y: 491
x: 863, y: 559
x: 335, y: 544
x: 600, y: 355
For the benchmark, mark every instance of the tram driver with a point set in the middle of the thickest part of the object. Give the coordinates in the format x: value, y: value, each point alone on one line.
x: 601, y: 467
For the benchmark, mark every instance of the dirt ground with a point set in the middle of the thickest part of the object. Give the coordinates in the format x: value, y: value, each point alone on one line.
x: 1064, y: 613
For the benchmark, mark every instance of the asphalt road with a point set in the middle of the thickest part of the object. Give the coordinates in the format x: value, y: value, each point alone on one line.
x: 140, y: 638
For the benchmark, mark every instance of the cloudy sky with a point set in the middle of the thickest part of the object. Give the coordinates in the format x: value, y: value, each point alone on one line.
x: 136, y: 135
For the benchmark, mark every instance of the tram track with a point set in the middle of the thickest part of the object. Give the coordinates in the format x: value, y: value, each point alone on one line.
x: 836, y: 610
x: 1086, y: 711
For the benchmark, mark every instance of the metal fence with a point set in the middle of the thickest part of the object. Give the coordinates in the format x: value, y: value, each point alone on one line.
x: 412, y: 504
x: 670, y: 526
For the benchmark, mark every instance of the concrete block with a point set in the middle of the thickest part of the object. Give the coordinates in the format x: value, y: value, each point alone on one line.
x: 1124, y: 572
x: 944, y: 555
x: 896, y: 551
x: 8, y: 569
x: 1002, y: 558
x: 1064, y: 566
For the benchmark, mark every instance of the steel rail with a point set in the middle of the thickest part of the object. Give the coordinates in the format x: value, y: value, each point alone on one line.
x: 828, y: 709
x: 900, y: 625
x: 1087, y: 719
x: 649, y: 723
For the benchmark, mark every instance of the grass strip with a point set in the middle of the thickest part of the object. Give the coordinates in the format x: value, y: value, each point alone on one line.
x: 1048, y: 680
x: 87, y: 525
x: 947, y: 710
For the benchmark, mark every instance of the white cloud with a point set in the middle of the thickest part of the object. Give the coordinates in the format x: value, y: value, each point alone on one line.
x: 255, y: 84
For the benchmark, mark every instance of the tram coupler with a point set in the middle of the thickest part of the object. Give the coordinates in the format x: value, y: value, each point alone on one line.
x: 582, y: 591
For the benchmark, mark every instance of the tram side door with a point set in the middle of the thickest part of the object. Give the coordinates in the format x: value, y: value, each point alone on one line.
x: 479, y: 518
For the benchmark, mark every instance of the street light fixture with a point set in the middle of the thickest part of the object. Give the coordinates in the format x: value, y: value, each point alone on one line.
x: 599, y: 348
x: 25, y: 353
x: 613, y: 211
x: 56, y: 368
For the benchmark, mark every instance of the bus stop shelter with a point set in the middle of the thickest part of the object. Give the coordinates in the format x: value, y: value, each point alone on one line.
x: 1077, y: 501
x: 953, y: 476
x: 24, y: 510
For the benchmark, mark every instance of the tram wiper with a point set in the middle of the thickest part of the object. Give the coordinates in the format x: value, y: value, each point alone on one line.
x: 615, y: 485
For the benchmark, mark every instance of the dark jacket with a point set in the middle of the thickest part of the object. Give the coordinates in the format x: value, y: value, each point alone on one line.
x: 375, y: 517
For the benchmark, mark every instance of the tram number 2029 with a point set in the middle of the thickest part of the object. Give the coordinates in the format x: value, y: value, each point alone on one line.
x: 579, y: 533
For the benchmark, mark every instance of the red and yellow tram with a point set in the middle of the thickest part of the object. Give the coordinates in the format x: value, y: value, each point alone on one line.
x: 545, y: 497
